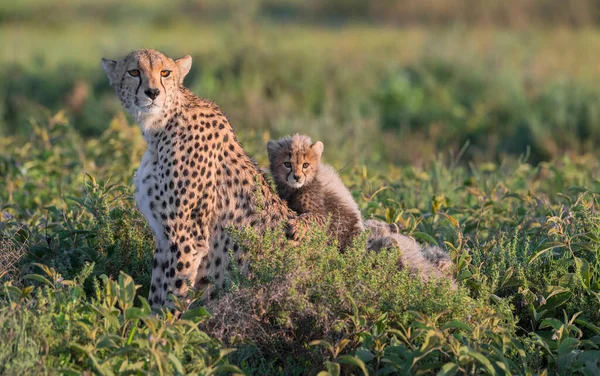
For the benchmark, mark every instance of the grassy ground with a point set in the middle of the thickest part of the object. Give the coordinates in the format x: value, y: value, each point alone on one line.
x: 479, y: 140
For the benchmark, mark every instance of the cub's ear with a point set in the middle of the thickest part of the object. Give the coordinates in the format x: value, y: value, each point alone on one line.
x: 183, y: 64
x: 272, y: 148
x: 272, y: 145
x: 109, y: 67
x: 317, y: 147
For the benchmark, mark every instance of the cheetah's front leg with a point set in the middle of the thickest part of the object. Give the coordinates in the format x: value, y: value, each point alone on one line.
x: 160, y: 285
x: 177, y: 263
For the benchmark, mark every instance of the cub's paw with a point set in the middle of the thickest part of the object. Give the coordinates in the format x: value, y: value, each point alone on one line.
x: 295, y: 229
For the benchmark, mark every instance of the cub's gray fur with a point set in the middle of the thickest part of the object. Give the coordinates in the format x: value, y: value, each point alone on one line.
x: 426, y: 261
x: 313, y: 189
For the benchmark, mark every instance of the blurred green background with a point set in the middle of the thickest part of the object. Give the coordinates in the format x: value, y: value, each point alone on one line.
x: 378, y: 81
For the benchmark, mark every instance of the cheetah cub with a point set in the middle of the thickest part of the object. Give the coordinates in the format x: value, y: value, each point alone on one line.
x: 313, y: 189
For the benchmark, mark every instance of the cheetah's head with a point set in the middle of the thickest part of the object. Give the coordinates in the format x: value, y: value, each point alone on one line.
x: 147, y: 82
x: 294, y: 160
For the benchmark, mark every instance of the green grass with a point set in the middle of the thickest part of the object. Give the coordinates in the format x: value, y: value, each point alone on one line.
x: 476, y: 139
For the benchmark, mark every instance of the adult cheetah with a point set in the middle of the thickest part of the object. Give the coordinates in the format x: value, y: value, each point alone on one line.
x: 194, y: 180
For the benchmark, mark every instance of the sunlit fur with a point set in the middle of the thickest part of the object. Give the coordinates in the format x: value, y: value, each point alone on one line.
x: 312, y: 188
x: 195, y: 180
x: 425, y: 261
x: 132, y: 91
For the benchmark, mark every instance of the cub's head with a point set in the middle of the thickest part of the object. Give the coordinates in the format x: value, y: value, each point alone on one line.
x: 294, y: 160
x: 146, y: 81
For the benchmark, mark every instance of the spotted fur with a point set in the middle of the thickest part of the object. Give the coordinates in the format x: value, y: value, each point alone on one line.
x: 194, y: 180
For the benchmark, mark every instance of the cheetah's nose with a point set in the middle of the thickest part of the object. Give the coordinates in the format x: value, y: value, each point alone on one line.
x: 152, y: 93
x: 296, y: 177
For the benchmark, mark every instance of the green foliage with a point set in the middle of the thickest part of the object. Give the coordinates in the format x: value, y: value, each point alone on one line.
x: 495, y: 111
x: 523, y: 239
x: 53, y: 327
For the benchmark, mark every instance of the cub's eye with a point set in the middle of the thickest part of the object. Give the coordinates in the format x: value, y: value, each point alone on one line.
x: 134, y: 73
x: 305, y: 165
x: 287, y: 164
x: 165, y: 73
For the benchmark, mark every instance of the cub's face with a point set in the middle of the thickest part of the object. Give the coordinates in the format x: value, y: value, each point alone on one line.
x: 147, y: 81
x: 294, y: 160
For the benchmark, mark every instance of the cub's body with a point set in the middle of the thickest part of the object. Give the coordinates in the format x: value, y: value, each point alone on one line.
x: 314, y: 190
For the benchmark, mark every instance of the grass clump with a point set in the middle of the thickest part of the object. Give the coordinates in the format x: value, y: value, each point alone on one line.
x: 53, y: 327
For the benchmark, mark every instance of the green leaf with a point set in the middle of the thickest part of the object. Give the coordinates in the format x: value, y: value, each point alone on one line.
x: 353, y: 361
x: 553, y: 323
x: 567, y: 280
x: 333, y: 369
x: 224, y: 352
x: 432, y: 339
x: 556, y: 299
x: 196, y: 315
x: 424, y: 237
x: 567, y: 345
x: 176, y: 363
x: 457, y: 325
x: 588, y: 325
x: 448, y: 369
x: 68, y: 372
x: 134, y: 313
x: 110, y: 341
x: 226, y: 368
x: 483, y: 360
x: 322, y: 343
x: 364, y: 354
x: 590, y: 361
x: 126, y: 291
x: 39, y: 278
x: 539, y: 251
x: 26, y: 291
x: 584, y: 270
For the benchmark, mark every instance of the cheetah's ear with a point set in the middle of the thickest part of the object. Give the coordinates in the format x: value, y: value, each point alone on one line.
x: 183, y: 64
x: 109, y: 67
x: 317, y: 147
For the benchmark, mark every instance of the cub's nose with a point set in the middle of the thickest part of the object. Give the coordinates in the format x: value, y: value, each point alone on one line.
x: 152, y: 93
x: 296, y: 177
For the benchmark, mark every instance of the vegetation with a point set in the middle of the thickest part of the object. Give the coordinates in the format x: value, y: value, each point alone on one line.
x: 478, y: 139
x: 524, y: 241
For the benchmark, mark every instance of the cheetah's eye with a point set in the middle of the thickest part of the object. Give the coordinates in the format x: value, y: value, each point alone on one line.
x: 134, y: 73
x: 287, y: 164
x: 305, y: 165
x: 165, y: 73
